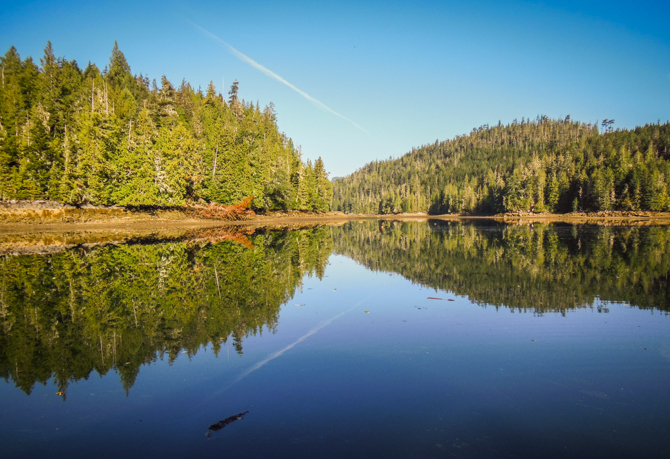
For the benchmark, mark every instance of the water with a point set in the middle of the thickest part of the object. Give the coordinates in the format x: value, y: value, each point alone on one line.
x: 545, y: 341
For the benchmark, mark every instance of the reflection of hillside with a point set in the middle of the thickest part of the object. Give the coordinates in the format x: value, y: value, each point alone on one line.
x: 66, y: 314
x: 531, y: 268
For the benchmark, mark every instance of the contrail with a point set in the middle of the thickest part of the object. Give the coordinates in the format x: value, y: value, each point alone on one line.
x: 271, y: 74
x: 279, y: 353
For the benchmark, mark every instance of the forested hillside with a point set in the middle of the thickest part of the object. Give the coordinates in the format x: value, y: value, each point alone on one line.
x: 533, y: 165
x: 113, y: 138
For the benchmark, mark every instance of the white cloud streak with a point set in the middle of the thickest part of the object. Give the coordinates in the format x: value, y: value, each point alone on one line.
x: 246, y: 59
x: 279, y: 353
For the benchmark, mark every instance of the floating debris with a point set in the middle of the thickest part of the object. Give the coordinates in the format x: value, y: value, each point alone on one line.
x: 221, y: 424
x: 433, y: 298
x: 594, y: 393
x: 366, y: 311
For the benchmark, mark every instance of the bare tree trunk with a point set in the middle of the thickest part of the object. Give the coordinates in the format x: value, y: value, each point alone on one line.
x: 217, y: 282
x: 216, y: 155
x: 67, y: 150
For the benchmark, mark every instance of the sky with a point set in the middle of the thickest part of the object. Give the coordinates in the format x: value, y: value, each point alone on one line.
x: 353, y: 82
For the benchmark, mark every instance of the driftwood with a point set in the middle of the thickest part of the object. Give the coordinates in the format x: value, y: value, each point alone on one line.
x: 215, y: 211
x: 221, y: 424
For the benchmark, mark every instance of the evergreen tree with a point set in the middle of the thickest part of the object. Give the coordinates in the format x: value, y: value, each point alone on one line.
x: 113, y: 138
x: 535, y: 165
x: 324, y: 189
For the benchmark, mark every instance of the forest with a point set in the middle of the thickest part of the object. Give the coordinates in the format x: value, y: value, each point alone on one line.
x: 540, y: 165
x: 117, y: 307
x: 527, y: 268
x: 108, y: 137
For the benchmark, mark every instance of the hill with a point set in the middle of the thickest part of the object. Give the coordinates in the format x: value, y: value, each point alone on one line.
x: 534, y: 165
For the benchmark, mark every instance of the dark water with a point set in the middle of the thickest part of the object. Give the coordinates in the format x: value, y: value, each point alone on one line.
x: 544, y: 341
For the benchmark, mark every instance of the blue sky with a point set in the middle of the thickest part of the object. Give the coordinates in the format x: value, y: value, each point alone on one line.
x: 406, y: 73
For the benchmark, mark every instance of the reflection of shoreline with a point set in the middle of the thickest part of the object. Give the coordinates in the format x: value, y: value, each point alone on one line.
x: 48, y: 242
x: 21, y: 239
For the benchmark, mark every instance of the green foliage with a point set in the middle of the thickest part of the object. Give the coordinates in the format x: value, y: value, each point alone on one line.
x: 112, y: 307
x: 535, y: 268
x: 323, y: 193
x: 109, y: 138
x: 539, y: 165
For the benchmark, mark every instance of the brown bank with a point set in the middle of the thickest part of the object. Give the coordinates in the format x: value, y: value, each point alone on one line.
x: 38, y: 216
x: 42, y: 215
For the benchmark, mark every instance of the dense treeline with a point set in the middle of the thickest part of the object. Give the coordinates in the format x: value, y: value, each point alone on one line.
x: 66, y: 315
x: 533, y: 165
x: 535, y: 268
x: 109, y: 137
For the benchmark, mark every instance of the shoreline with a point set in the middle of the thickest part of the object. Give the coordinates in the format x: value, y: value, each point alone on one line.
x: 22, y: 217
x: 173, y: 219
x: 20, y: 238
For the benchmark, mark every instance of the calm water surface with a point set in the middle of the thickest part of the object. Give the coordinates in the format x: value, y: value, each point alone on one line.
x: 375, y: 339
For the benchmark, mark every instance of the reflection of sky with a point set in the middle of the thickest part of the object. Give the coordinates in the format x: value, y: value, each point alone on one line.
x: 449, y: 377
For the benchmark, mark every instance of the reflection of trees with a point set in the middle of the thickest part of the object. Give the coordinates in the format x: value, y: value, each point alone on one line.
x: 117, y: 307
x: 528, y: 268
